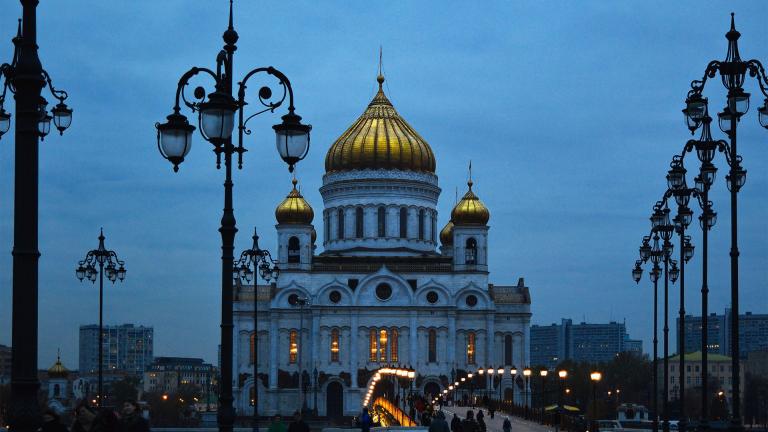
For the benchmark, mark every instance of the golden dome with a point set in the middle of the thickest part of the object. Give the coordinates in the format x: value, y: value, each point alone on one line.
x: 294, y: 209
x: 380, y: 139
x: 470, y: 210
x: 58, y: 370
x: 446, y: 234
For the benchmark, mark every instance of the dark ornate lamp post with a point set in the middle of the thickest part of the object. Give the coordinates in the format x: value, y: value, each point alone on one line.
x: 25, y: 77
x: 733, y: 72
x: 543, y: 374
x: 563, y: 374
x: 527, y: 376
x: 655, y: 254
x: 253, y: 260
x: 301, y: 303
x: 595, y: 377
x: 115, y: 270
x: 216, y: 118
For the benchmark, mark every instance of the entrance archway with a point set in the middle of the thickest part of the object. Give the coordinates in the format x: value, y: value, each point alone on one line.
x: 509, y: 395
x: 334, y: 400
x: 431, y: 388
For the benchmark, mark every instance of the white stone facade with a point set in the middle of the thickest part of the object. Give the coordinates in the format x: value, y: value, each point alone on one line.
x: 436, y: 301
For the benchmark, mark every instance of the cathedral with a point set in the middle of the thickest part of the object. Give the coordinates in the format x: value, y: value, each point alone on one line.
x: 388, y: 286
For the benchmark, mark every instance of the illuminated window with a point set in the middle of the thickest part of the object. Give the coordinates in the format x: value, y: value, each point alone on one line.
x: 374, y: 348
x: 293, y: 350
x: 335, y: 345
x: 393, y: 346
x: 253, y: 347
x: 359, y: 222
x: 432, y: 346
x: 471, y: 348
x: 382, y: 222
x: 383, y: 345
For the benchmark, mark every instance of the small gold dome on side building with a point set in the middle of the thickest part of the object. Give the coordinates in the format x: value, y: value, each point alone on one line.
x: 446, y: 234
x: 58, y: 370
x: 470, y: 210
x: 294, y: 209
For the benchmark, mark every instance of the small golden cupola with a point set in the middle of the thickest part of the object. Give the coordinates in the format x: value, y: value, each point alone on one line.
x: 470, y: 210
x: 58, y: 370
x: 446, y: 234
x: 294, y: 210
x: 380, y: 139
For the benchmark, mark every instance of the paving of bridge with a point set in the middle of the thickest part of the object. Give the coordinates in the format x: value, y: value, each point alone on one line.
x: 495, y: 424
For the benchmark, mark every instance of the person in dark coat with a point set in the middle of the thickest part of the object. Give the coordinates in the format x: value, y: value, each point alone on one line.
x: 365, y: 420
x: 52, y: 422
x: 298, y: 425
x: 480, y: 415
x: 132, y: 420
x: 438, y: 423
x: 455, y: 423
x: 469, y: 424
x: 507, y: 426
x: 481, y: 423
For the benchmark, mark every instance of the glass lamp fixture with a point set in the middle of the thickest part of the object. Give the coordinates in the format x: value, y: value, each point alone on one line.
x: 174, y: 138
x: 762, y: 114
x: 682, y: 196
x: 5, y: 121
x: 527, y: 372
x: 688, y: 249
x: 543, y: 373
x: 738, y: 174
x: 694, y: 111
x: 490, y: 371
x: 121, y: 273
x: 708, y: 172
x: 708, y: 219
x: 685, y: 216
x: 657, y: 218
x: 676, y: 176
x: 513, y: 371
x: 654, y: 275
x: 80, y: 272
x: 724, y: 120
x: 674, y: 272
x: 645, y: 249
x: 563, y: 374
x: 44, y: 125
x: 596, y: 376
x: 292, y: 139
x: 637, y: 274
x: 738, y: 102
x: 62, y: 117
x: 500, y: 371
x: 217, y: 117
x: 705, y: 145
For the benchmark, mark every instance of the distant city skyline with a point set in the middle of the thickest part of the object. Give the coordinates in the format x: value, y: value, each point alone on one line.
x: 569, y: 112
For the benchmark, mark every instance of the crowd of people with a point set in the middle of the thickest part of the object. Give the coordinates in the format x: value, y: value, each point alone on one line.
x: 91, y: 419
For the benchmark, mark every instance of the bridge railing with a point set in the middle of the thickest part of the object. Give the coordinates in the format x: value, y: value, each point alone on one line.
x: 394, y: 412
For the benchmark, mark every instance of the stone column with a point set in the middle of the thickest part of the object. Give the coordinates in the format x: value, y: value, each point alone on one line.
x: 353, y: 345
x: 452, y: 339
x: 314, y: 340
x: 413, y: 335
x: 489, y: 348
x: 273, y: 350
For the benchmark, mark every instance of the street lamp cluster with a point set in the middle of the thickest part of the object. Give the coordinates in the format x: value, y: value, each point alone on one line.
x: 25, y: 78
x: 404, y: 376
x: 244, y: 271
x: 733, y: 72
x: 216, y: 111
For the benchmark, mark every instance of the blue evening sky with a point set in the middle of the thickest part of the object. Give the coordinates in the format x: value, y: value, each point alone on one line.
x: 569, y: 111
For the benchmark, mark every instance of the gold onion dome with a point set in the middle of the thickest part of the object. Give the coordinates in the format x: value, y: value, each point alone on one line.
x: 446, y: 234
x: 380, y: 139
x: 294, y: 209
x: 58, y: 370
x: 470, y: 210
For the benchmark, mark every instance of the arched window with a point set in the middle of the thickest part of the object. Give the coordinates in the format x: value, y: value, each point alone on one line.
x: 507, y: 350
x: 471, y: 348
x: 403, y: 222
x: 373, y: 346
x: 293, y: 346
x: 432, y: 346
x: 383, y: 342
x: 335, y: 345
x: 294, y: 250
x: 393, y: 357
x: 56, y: 390
x: 470, y: 252
x: 422, y: 222
x: 327, y: 233
x: 359, y: 222
x: 433, y: 221
x: 382, y: 222
x: 253, y: 347
x: 340, y: 224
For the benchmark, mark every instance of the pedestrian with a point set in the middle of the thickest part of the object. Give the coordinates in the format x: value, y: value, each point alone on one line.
x: 298, y: 425
x: 85, y: 417
x: 52, y: 422
x: 481, y: 424
x: 456, y: 424
x: 480, y: 415
x: 507, y: 425
x: 426, y: 419
x: 365, y: 420
x: 132, y: 420
x: 277, y: 424
x: 438, y: 423
x: 469, y: 424
x: 491, y: 410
